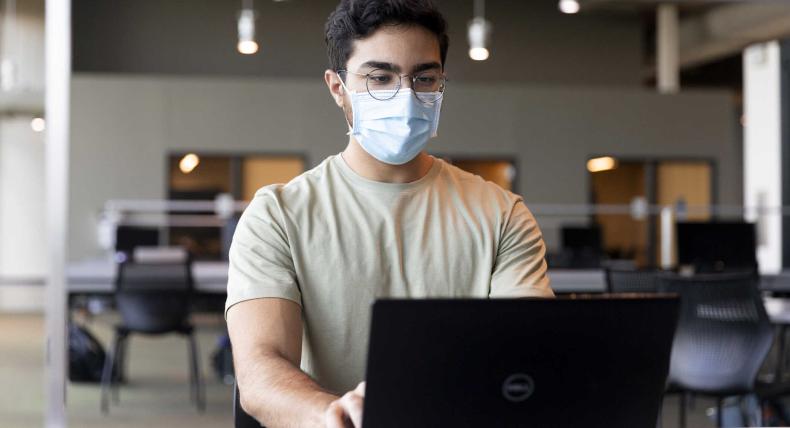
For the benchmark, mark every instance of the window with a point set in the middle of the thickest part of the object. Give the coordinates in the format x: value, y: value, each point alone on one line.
x: 201, y: 177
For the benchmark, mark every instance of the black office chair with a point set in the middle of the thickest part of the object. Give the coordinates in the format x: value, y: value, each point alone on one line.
x: 153, y: 298
x: 241, y: 419
x: 632, y: 281
x: 722, y: 338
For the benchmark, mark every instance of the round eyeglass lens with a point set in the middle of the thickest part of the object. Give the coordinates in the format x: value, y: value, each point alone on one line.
x: 382, y: 84
x: 429, y: 86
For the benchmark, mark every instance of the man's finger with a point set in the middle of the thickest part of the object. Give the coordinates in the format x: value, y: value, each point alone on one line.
x: 335, y: 416
x: 352, y: 404
x: 360, y: 389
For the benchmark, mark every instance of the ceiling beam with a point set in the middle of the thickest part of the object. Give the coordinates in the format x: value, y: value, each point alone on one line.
x: 728, y: 29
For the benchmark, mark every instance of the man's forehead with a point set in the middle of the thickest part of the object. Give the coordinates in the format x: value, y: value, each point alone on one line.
x: 399, y: 48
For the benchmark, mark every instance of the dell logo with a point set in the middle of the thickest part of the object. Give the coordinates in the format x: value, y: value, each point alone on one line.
x: 518, y: 387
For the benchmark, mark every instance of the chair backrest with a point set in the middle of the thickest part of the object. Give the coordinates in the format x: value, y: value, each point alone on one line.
x: 154, y: 296
x: 723, y: 334
x: 241, y: 419
x: 632, y: 281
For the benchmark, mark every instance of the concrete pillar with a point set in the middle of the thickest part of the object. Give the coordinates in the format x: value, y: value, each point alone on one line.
x: 58, y: 83
x: 667, y: 48
x: 762, y: 150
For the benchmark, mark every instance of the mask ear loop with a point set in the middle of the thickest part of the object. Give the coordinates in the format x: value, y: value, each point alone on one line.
x: 438, y: 108
x: 346, y: 91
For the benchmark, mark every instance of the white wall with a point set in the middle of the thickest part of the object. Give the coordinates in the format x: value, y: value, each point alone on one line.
x: 22, y: 210
x: 21, y: 199
x: 26, y: 45
x: 22, y: 213
x: 763, y: 148
x: 124, y: 126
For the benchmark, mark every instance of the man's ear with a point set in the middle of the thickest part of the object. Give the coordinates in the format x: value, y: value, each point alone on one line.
x: 335, y: 87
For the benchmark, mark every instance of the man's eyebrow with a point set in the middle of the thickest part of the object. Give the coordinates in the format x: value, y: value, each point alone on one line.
x: 426, y: 66
x: 388, y: 66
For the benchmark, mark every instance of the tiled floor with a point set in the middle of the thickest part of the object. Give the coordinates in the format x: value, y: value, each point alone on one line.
x: 157, y: 394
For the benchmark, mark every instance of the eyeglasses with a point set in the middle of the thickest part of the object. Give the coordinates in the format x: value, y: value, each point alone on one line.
x: 383, y: 85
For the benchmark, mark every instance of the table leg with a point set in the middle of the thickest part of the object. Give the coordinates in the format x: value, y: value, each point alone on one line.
x: 780, y: 358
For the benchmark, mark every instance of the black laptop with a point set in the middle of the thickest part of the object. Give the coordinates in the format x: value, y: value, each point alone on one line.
x: 553, y: 363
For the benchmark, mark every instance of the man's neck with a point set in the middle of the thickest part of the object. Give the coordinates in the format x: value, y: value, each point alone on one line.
x: 371, y: 168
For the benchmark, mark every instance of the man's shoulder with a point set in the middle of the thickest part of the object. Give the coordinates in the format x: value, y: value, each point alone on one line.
x: 474, y: 187
x: 300, y: 186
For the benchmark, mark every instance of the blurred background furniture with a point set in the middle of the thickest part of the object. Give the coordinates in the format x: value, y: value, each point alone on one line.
x: 581, y: 248
x: 717, y: 246
x: 152, y: 294
x: 722, y: 339
x: 632, y: 280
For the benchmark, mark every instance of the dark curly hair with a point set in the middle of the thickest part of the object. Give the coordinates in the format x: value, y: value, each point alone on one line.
x: 357, y: 19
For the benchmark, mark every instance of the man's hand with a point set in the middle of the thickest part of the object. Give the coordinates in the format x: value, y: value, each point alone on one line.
x: 346, y: 412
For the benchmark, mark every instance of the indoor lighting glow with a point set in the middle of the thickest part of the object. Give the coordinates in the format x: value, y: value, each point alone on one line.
x: 247, y: 47
x: 569, y: 6
x: 478, y: 54
x: 479, y: 33
x: 605, y: 163
x: 38, y: 124
x: 188, y: 163
x: 247, y: 44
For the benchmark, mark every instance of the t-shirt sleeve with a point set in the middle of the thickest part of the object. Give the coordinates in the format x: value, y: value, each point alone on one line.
x: 260, y: 261
x: 520, y: 267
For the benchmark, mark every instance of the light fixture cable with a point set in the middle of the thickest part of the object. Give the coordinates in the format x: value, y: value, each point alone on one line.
x: 480, y: 8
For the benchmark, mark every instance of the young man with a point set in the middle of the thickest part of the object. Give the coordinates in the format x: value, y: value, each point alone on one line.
x: 381, y: 219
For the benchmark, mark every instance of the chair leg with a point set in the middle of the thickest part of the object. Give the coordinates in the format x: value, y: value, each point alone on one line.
x: 192, y: 383
x: 781, y: 352
x: 118, y: 364
x: 751, y: 416
x: 682, y: 410
x: 195, y: 375
x: 106, y: 378
x: 719, y: 411
x: 122, y: 361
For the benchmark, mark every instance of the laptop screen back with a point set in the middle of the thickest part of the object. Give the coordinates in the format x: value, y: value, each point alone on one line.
x: 513, y: 363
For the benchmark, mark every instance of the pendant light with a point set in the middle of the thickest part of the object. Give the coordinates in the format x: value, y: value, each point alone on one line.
x: 569, y: 6
x: 479, y: 33
x: 246, y: 27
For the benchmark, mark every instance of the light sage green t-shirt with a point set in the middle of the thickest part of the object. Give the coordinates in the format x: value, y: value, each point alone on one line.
x: 333, y: 241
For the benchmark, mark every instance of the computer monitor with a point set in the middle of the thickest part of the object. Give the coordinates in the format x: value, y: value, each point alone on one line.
x: 582, y: 237
x: 127, y: 238
x: 582, y: 248
x: 717, y: 246
x: 560, y: 363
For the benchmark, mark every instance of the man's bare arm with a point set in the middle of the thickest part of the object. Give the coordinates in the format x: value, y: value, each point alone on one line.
x: 267, y: 343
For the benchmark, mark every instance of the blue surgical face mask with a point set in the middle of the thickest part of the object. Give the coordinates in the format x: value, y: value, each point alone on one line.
x: 396, y: 130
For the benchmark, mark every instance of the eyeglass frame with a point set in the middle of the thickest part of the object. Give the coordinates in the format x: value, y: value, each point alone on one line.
x: 413, y: 77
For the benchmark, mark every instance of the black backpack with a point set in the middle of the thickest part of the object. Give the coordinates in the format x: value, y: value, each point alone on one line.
x: 222, y: 360
x: 86, y: 355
